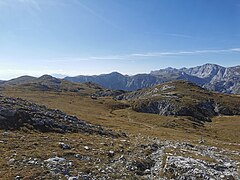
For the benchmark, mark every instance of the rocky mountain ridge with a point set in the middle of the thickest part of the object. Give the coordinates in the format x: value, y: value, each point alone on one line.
x: 210, y: 76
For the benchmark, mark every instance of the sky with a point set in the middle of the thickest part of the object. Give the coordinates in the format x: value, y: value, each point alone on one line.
x: 86, y: 37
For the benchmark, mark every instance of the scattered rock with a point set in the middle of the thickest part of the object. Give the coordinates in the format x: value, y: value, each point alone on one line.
x: 82, y: 158
x: 73, y: 178
x: 18, y: 178
x: 64, y: 146
x: 55, y: 160
x: 58, y: 166
x: 111, y: 154
x: 11, y: 161
x: 86, y: 148
x: 179, y: 167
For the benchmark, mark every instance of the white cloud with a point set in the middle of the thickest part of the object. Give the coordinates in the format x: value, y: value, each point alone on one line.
x: 170, y: 53
x: 236, y: 49
x: 135, y: 56
x: 178, y: 35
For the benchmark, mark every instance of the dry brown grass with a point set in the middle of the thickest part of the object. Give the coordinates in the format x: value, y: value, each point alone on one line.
x: 221, y: 132
x: 20, y: 146
x: 226, y: 128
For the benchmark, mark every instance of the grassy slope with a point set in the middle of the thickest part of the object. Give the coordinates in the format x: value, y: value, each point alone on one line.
x: 222, y: 132
x: 25, y: 145
x: 101, y: 112
x: 185, y: 92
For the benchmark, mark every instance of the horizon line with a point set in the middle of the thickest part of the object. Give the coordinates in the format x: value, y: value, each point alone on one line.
x: 114, y: 71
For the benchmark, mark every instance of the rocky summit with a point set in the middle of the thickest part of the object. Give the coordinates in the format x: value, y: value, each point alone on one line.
x: 16, y: 114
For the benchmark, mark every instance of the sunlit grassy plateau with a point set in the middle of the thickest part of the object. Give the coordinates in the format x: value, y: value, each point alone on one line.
x: 222, y: 132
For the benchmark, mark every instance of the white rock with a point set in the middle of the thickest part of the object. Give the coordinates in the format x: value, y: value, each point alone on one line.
x: 55, y: 160
x: 73, y: 178
x: 222, y: 176
x: 86, y: 147
x: 11, y: 161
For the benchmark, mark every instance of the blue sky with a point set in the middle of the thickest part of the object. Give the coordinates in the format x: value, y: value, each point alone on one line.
x: 130, y: 36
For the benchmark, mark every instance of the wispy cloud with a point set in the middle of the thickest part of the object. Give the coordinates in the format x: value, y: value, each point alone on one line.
x: 135, y: 56
x: 34, y: 5
x: 206, y: 51
x: 178, y: 35
x: 96, y: 14
x: 31, y: 5
x: 236, y: 49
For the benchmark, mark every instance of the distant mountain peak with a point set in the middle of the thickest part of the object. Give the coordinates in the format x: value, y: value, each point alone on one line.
x: 20, y: 80
x: 170, y: 68
x: 210, y: 64
x: 210, y: 76
x: 46, y: 76
x: 114, y: 73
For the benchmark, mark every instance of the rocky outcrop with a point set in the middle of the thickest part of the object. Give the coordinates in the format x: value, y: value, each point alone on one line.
x: 202, y: 111
x: 182, y: 98
x: 216, y: 166
x: 16, y: 114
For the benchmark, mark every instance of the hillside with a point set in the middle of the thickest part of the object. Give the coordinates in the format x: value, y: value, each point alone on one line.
x: 149, y: 145
x: 210, y: 76
x: 48, y: 83
x: 20, y: 80
x: 2, y: 82
x: 182, y: 98
x: 16, y: 114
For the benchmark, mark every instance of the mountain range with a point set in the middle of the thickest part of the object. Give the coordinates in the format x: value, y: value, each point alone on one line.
x: 209, y: 76
x: 179, y: 98
x: 52, y: 128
